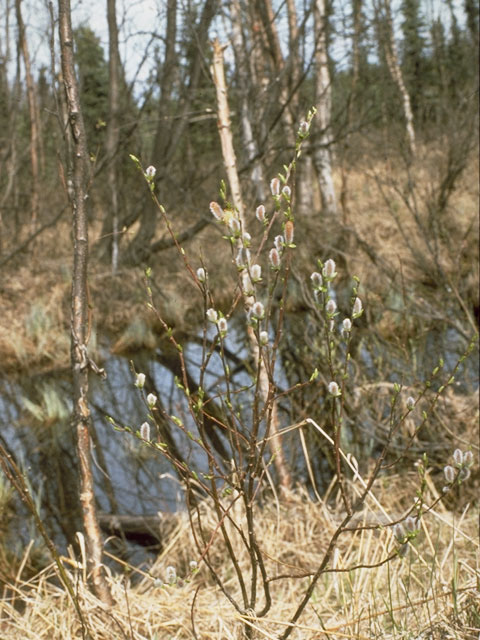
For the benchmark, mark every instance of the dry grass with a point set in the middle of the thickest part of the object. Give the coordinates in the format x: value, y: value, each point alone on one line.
x: 35, y: 293
x: 379, y: 215
x: 430, y: 593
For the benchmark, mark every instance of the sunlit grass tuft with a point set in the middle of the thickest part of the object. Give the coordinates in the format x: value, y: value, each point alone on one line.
x: 432, y: 592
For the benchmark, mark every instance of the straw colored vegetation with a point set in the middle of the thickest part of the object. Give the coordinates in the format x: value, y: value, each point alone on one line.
x: 35, y: 296
x: 430, y: 592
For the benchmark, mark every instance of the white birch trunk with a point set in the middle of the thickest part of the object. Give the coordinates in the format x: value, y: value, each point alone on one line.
x: 304, y: 184
x: 249, y: 142
x: 323, y: 100
x: 230, y: 162
x: 391, y: 56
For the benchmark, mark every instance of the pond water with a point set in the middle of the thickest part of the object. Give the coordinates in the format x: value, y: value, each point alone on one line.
x: 131, y: 478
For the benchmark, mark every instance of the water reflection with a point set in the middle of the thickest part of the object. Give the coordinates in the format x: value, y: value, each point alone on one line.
x: 132, y: 479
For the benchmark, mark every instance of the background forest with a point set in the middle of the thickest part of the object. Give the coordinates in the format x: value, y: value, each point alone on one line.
x: 386, y: 185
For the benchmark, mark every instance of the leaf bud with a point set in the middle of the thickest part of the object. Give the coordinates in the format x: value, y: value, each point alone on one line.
x: 212, y: 315
x: 333, y: 389
x: 329, y: 269
x: 275, y: 186
x: 140, y: 380
x: 331, y: 307
x: 222, y: 325
x: 410, y: 402
x: 449, y: 473
x: 217, y: 210
x: 150, y: 172
x: 258, y: 310
x: 458, y: 457
x: 145, y: 431
x: 274, y: 258
x: 256, y: 272
x: 289, y: 229
x: 151, y: 400
x: 357, y: 308
x: 260, y: 213
x: 263, y: 338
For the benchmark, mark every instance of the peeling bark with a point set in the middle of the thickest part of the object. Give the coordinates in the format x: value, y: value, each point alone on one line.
x: 393, y: 64
x: 230, y: 163
x: 78, y: 170
x: 323, y: 100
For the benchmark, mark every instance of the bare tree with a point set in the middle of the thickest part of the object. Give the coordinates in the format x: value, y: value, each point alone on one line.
x: 167, y: 82
x: 170, y: 132
x: 77, y: 176
x: 383, y: 13
x: 33, y: 112
x: 294, y: 58
x: 249, y: 142
x: 357, y: 24
x: 8, y: 136
x: 113, y: 125
x: 273, y: 49
x: 230, y: 163
x: 322, y: 157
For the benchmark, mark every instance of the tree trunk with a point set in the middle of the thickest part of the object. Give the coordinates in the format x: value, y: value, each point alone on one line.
x: 34, y: 117
x: 164, y: 147
x: 304, y: 182
x: 471, y: 10
x: 11, y: 98
x: 230, y: 163
x: 294, y: 63
x: 351, y: 106
x: 249, y: 142
x: 169, y: 70
x: 323, y: 99
x: 78, y: 170
x: 391, y: 57
x: 267, y: 17
x: 113, y: 126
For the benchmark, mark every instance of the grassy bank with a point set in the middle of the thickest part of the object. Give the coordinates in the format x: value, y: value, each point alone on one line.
x: 429, y: 592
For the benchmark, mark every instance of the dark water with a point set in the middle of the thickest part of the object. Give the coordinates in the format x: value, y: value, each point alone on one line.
x: 131, y: 478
